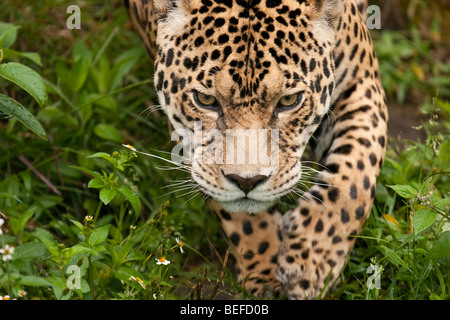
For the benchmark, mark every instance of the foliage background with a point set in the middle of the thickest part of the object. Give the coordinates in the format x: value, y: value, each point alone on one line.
x: 100, y: 96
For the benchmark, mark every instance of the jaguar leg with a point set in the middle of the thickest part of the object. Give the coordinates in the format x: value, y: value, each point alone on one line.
x: 255, y: 240
x: 319, y: 234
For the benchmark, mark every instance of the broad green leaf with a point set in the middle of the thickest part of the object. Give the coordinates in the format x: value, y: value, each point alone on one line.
x: 132, y: 197
x: 107, y: 132
x: 29, y: 250
x: 405, y: 191
x: 59, y: 287
x: 442, y: 203
x: 422, y: 219
x: 76, y: 249
x: 106, y: 195
x: 18, y: 111
x: 18, y: 224
x: 27, y: 79
x: 96, y: 183
x: 123, y: 65
x: 441, y: 247
x: 77, y: 224
x: 8, y: 34
x: 102, y: 155
x: 99, y: 235
x: 34, y: 281
x: 99, y: 248
x: 135, y: 255
x: 47, y: 239
x: 80, y: 71
x: 32, y: 56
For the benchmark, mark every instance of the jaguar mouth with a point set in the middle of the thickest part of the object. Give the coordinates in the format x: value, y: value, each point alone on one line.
x: 246, y: 205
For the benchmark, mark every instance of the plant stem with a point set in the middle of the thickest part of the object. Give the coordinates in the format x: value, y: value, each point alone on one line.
x: 9, y: 279
x: 97, y: 211
x: 91, y: 279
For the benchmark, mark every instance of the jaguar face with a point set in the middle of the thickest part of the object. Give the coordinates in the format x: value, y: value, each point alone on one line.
x: 252, y: 83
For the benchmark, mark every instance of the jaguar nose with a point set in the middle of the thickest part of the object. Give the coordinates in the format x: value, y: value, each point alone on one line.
x: 246, y: 184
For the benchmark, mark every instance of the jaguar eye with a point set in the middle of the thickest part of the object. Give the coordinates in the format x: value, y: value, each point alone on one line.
x: 288, y: 102
x: 205, y: 100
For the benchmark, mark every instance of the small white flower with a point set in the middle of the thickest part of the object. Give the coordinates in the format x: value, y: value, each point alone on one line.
x: 22, y: 293
x: 180, y: 244
x: 162, y: 261
x: 5, y: 297
x: 138, y: 280
x: 7, y: 252
x: 129, y: 147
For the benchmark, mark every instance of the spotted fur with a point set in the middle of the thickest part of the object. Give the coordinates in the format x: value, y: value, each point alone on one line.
x: 248, y: 55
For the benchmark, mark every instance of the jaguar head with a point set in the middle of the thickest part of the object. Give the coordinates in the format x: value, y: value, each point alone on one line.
x: 250, y: 81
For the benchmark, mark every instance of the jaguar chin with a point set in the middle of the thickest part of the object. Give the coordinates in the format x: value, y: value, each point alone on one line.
x: 246, y: 205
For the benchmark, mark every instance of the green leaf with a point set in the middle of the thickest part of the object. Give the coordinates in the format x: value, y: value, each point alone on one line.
x: 123, y: 65
x: 132, y: 197
x: 107, y: 132
x: 442, y: 203
x: 19, y: 224
x: 125, y: 272
x: 18, y: 111
x: 441, y: 247
x: 79, y: 72
x: 76, y: 249
x: 34, y: 281
x: 99, y: 248
x: 124, y: 251
x: 59, y: 287
x: 134, y: 255
x: 422, y: 219
x: 8, y: 34
x: 27, y: 79
x: 102, y: 155
x: 99, y: 235
x: 47, y: 239
x: 77, y: 224
x: 94, y: 174
x: 405, y: 191
x: 165, y: 283
x: 106, y: 195
x: 393, y: 257
x: 8, y: 195
x: 32, y: 56
x: 29, y: 250
x: 96, y: 183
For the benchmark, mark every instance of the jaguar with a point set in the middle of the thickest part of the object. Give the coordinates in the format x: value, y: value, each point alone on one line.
x: 303, y: 69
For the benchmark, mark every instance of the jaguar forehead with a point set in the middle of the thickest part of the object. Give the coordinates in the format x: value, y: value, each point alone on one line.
x: 244, y: 44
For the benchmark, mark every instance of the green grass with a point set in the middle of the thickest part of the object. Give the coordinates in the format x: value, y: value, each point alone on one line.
x: 100, y: 96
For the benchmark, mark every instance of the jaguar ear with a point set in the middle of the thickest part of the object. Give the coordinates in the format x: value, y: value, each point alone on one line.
x: 145, y: 15
x: 329, y: 9
x: 163, y: 6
